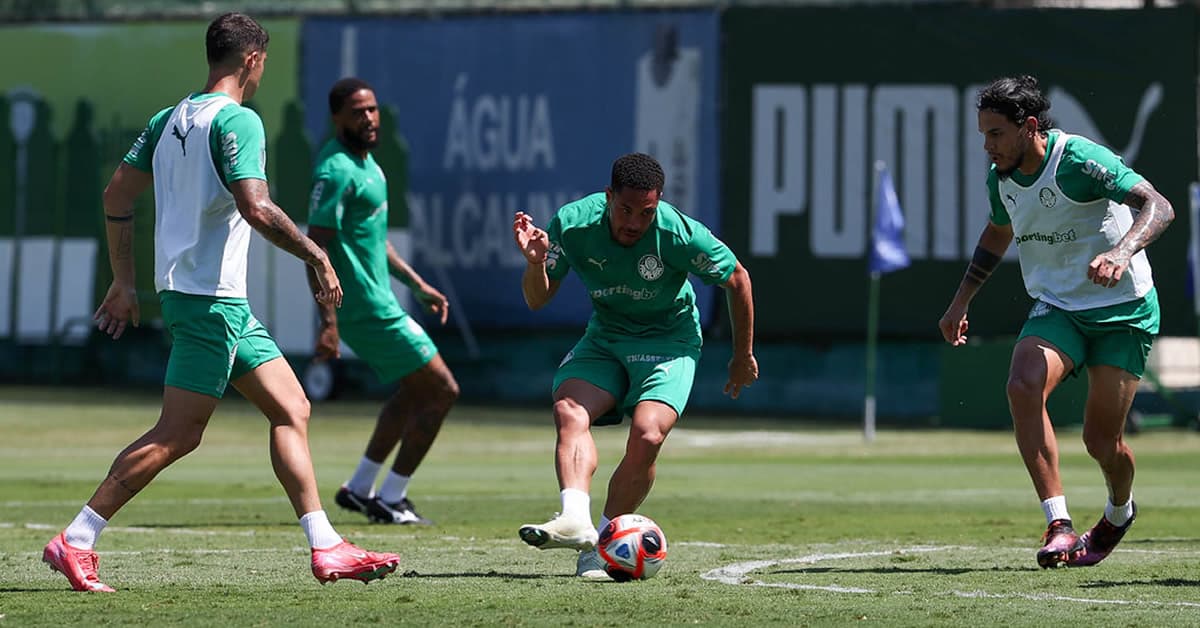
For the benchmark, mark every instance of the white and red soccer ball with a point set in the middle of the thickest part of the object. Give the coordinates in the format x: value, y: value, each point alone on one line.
x: 633, y: 547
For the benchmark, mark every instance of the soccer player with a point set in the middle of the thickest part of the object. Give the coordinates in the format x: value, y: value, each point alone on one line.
x: 205, y: 157
x: 638, y: 356
x: 1069, y: 203
x: 348, y: 217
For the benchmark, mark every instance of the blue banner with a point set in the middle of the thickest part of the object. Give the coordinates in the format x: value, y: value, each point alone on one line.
x: 526, y: 113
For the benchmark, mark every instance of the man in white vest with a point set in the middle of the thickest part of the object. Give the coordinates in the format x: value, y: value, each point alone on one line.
x: 1070, y: 204
x: 206, y: 157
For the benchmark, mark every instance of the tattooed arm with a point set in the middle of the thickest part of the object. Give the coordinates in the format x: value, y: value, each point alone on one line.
x: 255, y: 204
x: 120, y: 305
x: 1155, y: 213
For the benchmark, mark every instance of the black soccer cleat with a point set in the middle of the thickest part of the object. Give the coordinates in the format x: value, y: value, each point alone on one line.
x: 353, y: 502
x: 398, y: 513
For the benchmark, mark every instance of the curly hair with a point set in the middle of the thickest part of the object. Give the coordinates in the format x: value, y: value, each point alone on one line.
x: 1016, y: 98
x: 342, y: 90
x: 638, y: 171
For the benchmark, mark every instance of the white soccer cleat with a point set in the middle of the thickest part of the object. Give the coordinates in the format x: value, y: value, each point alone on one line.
x: 591, y: 566
x: 561, y: 531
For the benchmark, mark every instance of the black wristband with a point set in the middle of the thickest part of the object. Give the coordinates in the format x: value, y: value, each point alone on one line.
x: 112, y: 218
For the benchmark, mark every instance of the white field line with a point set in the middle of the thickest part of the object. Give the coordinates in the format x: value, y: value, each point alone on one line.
x: 235, y: 501
x: 738, y: 574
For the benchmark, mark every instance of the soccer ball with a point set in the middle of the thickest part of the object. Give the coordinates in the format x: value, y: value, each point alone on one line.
x: 633, y: 548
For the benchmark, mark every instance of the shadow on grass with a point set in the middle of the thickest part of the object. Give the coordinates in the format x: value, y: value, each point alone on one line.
x: 1167, y: 541
x: 1159, y: 582
x: 486, y: 574
x: 940, y: 571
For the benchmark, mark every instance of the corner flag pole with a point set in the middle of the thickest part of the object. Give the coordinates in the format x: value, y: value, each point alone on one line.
x: 872, y: 342
x: 872, y: 324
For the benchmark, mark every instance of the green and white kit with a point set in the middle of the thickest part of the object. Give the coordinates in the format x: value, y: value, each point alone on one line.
x: 1063, y: 216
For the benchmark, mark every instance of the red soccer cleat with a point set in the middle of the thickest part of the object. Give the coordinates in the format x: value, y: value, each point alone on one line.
x: 78, y: 565
x: 345, y: 560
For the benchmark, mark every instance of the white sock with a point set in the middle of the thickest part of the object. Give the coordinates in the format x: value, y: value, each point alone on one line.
x: 1055, y: 508
x: 395, y: 487
x: 1119, y: 515
x: 603, y: 523
x: 319, y: 531
x: 576, y: 504
x: 85, y: 529
x: 362, y: 483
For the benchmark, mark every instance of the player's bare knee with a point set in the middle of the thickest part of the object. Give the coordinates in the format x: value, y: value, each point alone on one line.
x: 180, y: 442
x: 570, y: 416
x: 448, y: 392
x: 293, y: 412
x: 1022, y: 388
x: 1102, y: 447
x: 644, y: 445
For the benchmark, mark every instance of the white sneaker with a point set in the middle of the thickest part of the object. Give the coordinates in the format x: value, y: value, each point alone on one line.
x: 591, y: 566
x: 561, y: 531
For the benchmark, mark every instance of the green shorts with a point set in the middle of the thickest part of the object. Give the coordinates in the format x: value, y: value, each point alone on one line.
x: 393, y: 347
x: 632, y: 371
x: 1116, y: 335
x: 214, y: 340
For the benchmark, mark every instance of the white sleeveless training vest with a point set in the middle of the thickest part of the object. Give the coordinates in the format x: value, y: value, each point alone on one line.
x: 1057, y: 238
x: 200, y: 239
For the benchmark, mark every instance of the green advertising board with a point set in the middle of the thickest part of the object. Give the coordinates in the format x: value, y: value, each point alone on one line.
x: 814, y: 97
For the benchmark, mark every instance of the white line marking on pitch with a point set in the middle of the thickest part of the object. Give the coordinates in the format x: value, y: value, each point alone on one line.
x: 737, y: 574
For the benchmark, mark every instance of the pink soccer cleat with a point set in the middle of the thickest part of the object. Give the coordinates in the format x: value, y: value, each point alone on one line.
x: 1100, y: 541
x: 1060, y: 545
x: 78, y: 565
x: 345, y: 560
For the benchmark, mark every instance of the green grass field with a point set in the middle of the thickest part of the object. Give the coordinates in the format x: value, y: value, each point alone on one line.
x: 767, y: 521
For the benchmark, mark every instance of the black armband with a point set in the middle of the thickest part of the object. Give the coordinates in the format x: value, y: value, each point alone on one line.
x: 983, y: 262
x: 112, y: 218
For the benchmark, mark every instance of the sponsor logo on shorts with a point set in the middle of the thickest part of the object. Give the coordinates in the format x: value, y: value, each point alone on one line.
x: 647, y: 357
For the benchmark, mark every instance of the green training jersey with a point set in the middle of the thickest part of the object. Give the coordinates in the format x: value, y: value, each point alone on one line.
x: 1063, y: 216
x: 237, y: 141
x: 349, y: 196
x: 642, y: 290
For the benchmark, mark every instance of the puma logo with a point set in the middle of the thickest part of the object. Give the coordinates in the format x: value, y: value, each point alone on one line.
x: 1072, y: 117
x: 181, y: 137
x: 599, y: 263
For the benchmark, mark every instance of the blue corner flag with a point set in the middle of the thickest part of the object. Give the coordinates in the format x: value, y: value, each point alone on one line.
x: 888, y: 252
